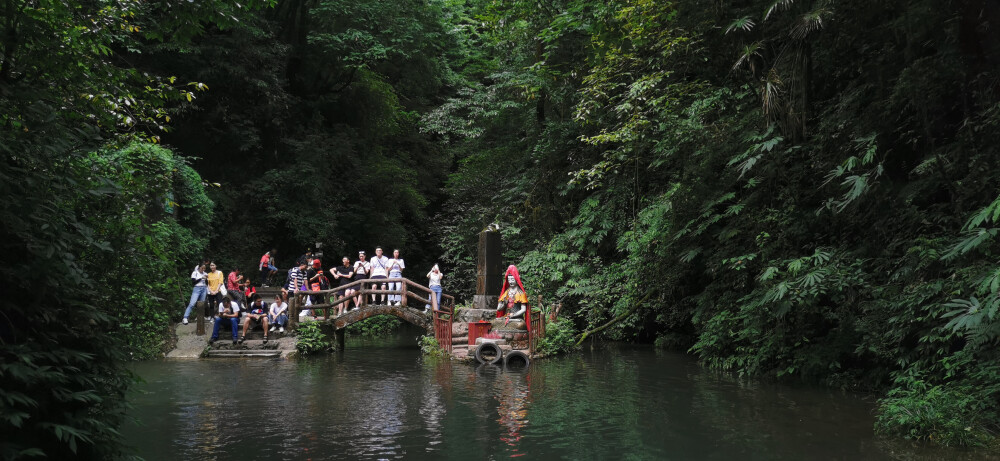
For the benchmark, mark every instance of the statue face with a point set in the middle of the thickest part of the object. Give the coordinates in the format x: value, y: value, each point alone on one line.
x: 511, y: 281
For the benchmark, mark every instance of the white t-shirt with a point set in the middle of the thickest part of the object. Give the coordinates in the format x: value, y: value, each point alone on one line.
x: 396, y: 267
x: 200, y: 276
x: 235, y: 306
x: 435, y: 279
x: 278, y: 309
x: 379, y: 266
x: 362, y: 267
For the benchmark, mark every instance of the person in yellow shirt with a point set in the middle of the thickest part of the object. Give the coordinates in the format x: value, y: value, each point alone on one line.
x: 215, y: 279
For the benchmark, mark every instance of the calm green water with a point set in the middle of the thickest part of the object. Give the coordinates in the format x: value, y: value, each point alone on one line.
x: 382, y: 400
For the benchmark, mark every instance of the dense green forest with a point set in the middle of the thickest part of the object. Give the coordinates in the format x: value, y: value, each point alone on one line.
x: 786, y: 189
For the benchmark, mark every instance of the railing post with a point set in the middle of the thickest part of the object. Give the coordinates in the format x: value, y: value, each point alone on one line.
x: 402, y: 295
x: 293, y: 312
x: 200, y: 328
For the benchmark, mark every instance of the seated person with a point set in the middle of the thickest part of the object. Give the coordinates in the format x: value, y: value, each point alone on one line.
x: 256, y: 315
x: 229, y: 312
x: 278, y: 314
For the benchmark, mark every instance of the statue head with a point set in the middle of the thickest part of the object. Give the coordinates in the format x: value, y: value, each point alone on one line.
x: 512, y: 278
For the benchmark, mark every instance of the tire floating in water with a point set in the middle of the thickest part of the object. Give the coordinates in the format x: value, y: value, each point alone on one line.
x: 489, y: 353
x: 516, y: 361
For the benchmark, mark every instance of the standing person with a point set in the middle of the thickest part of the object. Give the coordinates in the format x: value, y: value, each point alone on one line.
x: 396, y: 266
x: 198, y: 279
x: 278, y: 314
x: 379, y: 270
x: 256, y: 315
x: 296, y: 281
x: 215, y: 280
x: 435, y: 276
x: 343, y: 275
x: 234, y: 285
x: 361, y: 270
x: 316, y: 280
x: 267, y: 267
x: 229, y: 313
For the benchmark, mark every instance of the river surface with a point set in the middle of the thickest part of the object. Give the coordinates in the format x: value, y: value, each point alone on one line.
x: 380, y: 399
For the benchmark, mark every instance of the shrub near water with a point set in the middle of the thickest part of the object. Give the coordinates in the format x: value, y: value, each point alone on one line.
x: 310, y: 339
x: 560, y: 336
x: 380, y: 325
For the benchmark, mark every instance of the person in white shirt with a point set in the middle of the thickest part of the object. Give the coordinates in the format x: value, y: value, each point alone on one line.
x: 396, y: 266
x: 200, y: 280
x: 435, y: 276
x: 278, y: 314
x: 380, y: 269
x: 229, y: 313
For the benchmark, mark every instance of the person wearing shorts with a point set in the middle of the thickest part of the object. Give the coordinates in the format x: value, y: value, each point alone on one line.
x: 361, y: 269
x: 266, y: 267
x: 343, y: 274
x: 379, y: 270
x: 256, y: 315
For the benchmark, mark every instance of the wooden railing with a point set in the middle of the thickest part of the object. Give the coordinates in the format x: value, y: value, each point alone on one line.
x: 536, y: 326
x: 408, y: 289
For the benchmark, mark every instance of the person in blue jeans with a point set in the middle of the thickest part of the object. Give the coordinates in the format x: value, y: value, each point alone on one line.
x: 229, y: 313
x: 200, y: 280
x: 278, y: 314
x: 434, y: 284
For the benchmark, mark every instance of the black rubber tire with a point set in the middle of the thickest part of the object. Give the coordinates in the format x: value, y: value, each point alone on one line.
x: 489, y: 353
x: 516, y: 361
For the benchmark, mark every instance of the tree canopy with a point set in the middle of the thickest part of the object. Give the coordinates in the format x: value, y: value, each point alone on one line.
x: 789, y: 189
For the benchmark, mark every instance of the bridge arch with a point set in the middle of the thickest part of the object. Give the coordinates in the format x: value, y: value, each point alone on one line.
x: 407, y: 314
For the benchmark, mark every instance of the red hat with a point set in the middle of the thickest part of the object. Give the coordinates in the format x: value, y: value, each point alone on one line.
x: 316, y: 264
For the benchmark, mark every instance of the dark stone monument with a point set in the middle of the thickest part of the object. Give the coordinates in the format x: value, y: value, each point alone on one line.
x: 489, y: 270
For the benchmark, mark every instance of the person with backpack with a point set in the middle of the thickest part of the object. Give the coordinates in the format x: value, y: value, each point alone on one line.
x: 316, y: 280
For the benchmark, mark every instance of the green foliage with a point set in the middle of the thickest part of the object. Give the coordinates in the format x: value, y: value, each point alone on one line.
x: 379, y: 325
x: 795, y: 206
x: 560, y: 337
x: 429, y: 347
x: 309, y: 339
x: 950, y: 414
x: 87, y: 242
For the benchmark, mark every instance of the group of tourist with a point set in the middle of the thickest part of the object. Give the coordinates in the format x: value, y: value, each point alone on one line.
x: 227, y: 298
x: 309, y: 275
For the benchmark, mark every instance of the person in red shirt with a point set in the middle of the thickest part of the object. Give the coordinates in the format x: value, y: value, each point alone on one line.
x: 267, y: 267
x: 234, y: 285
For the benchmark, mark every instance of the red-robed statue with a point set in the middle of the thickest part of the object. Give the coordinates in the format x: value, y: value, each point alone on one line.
x: 513, y: 298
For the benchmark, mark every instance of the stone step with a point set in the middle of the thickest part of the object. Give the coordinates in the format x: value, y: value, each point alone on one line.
x: 255, y: 353
x: 257, y: 333
x: 460, y: 352
x: 247, y: 345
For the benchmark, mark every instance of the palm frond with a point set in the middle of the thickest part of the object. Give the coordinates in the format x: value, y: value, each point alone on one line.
x: 745, y: 24
x: 776, y: 5
x: 808, y: 23
x: 747, y: 56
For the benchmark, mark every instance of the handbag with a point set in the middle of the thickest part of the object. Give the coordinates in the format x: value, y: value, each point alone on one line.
x: 222, y: 290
